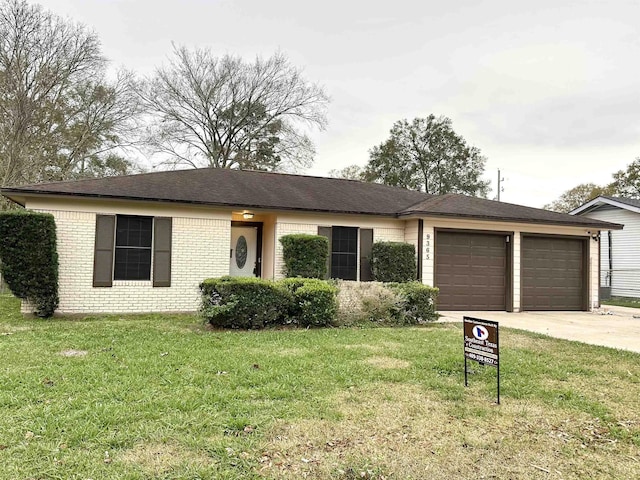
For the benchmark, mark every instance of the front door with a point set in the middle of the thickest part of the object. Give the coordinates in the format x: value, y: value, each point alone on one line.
x: 244, y: 252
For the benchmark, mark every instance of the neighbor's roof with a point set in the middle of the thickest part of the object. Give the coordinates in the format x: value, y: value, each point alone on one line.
x: 631, y: 204
x: 244, y: 189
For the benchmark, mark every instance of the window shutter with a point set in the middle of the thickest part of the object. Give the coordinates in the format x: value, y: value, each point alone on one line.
x: 162, y: 251
x: 326, y: 232
x: 366, y: 243
x: 103, y: 252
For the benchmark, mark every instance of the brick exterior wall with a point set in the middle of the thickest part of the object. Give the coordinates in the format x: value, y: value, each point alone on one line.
x: 200, y: 249
x: 201, y: 242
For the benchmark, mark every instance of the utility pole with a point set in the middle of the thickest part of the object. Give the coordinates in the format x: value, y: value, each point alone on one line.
x: 500, y: 180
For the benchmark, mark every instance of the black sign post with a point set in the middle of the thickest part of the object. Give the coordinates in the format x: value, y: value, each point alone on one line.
x: 481, y: 344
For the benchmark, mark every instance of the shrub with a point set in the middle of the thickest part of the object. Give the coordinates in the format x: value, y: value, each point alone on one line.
x: 418, y: 301
x: 314, y: 301
x: 393, y: 262
x: 317, y: 301
x: 385, y: 304
x: 243, y: 302
x: 30, y: 259
x: 367, y: 303
x: 305, y: 255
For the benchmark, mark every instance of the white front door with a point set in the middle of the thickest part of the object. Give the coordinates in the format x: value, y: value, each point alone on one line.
x: 244, y: 249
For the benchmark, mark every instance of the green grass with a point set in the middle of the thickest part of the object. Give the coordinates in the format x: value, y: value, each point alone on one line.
x: 162, y: 396
x: 623, y: 302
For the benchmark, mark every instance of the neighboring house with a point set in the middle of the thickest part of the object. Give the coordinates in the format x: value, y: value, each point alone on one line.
x: 144, y: 242
x: 619, y: 250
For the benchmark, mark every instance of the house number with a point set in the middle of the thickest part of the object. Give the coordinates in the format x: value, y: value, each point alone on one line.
x: 427, y: 244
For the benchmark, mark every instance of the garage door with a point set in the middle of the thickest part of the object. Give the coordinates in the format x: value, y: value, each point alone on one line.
x: 471, y: 271
x: 553, y: 273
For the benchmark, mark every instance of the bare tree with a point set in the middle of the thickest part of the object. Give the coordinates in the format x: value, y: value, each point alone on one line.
x: 58, y: 111
x: 223, y: 112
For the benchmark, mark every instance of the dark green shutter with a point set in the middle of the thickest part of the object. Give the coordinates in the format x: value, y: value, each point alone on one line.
x: 162, y: 252
x: 103, y: 252
x: 326, y: 232
x: 366, y: 242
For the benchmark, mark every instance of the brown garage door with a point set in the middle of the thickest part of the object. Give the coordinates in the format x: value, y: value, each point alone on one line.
x: 553, y: 273
x: 471, y: 271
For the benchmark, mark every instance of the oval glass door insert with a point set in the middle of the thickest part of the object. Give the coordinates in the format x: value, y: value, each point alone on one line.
x: 241, y: 251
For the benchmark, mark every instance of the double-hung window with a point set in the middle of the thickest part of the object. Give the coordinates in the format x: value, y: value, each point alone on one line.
x: 133, y: 247
x: 127, y: 246
x: 345, y: 244
x: 344, y: 253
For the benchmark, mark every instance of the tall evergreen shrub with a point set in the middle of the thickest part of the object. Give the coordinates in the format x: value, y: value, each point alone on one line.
x: 29, y: 258
x: 393, y: 262
x: 305, y: 255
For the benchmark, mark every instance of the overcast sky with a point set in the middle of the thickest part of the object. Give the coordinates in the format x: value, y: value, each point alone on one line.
x: 549, y: 92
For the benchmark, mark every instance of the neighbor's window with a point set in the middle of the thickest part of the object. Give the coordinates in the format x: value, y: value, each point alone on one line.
x: 344, y: 253
x: 133, y: 248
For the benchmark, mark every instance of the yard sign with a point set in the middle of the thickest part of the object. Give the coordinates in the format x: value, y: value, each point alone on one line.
x: 481, y: 344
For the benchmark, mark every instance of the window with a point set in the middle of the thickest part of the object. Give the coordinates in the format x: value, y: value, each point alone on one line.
x: 133, y: 248
x: 344, y: 253
x: 130, y: 239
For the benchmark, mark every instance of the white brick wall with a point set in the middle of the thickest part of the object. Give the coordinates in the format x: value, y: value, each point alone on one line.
x: 411, y: 233
x: 200, y: 249
x: 389, y: 234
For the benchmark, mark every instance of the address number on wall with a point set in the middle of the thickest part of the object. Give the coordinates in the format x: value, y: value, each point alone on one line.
x: 427, y: 246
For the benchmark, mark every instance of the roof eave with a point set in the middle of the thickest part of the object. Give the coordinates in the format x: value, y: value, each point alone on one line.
x: 24, y: 192
x: 598, y: 201
x: 595, y: 224
x: 17, y: 195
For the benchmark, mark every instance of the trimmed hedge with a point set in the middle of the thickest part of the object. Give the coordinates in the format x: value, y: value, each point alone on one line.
x: 243, y: 302
x: 29, y: 258
x: 246, y: 302
x: 418, y: 301
x: 315, y: 301
x: 240, y: 302
x: 393, y: 262
x: 305, y: 255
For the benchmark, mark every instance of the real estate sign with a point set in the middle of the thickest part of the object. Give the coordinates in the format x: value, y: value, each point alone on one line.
x: 481, y: 344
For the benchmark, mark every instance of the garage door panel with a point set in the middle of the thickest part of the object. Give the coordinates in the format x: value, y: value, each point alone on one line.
x: 471, y: 271
x: 553, y: 273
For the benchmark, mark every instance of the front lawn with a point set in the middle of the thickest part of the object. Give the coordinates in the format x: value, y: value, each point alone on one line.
x: 157, y: 396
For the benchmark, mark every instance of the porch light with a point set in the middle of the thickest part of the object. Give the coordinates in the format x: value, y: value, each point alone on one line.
x: 247, y: 215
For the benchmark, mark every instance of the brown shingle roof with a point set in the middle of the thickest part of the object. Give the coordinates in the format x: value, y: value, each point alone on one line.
x: 455, y: 205
x: 243, y: 189
x: 273, y: 191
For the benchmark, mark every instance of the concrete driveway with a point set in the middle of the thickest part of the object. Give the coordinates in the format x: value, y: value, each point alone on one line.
x: 617, y: 327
